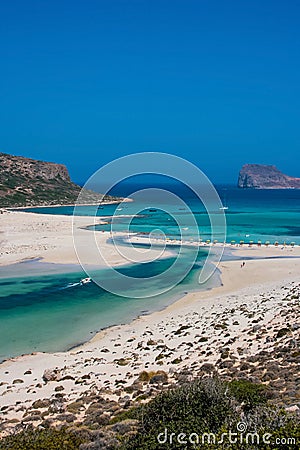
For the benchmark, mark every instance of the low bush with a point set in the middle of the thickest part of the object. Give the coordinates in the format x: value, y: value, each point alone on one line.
x: 48, y: 439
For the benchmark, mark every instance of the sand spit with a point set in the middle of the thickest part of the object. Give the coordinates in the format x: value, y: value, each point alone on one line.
x: 25, y: 236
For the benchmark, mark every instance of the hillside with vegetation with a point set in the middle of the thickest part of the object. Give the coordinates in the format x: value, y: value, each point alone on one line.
x: 206, y: 413
x: 29, y: 182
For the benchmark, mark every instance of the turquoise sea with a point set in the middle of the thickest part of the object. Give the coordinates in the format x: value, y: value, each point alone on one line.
x: 42, y: 308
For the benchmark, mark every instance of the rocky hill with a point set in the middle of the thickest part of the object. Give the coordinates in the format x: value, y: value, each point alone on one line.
x: 259, y: 176
x: 28, y: 182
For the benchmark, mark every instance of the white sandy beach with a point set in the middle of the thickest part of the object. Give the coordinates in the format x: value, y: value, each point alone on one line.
x: 190, y: 332
x: 25, y: 236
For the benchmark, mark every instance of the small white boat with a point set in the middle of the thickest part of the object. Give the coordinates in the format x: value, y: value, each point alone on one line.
x: 224, y: 207
x: 85, y: 281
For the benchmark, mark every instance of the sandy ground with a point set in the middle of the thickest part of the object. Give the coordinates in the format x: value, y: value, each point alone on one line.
x: 119, y: 354
x: 160, y: 341
x: 25, y: 236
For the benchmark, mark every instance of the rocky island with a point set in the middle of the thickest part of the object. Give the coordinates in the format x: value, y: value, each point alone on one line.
x: 29, y: 182
x: 259, y: 176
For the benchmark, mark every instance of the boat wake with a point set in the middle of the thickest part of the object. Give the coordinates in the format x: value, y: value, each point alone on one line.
x: 79, y: 283
x: 70, y: 285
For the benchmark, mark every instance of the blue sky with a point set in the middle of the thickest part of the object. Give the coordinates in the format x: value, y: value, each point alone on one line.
x: 216, y: 82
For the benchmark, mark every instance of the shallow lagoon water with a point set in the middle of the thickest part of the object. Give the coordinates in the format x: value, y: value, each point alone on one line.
x: 252, y: 214
x: 48, y: 313
x: 39, y: 312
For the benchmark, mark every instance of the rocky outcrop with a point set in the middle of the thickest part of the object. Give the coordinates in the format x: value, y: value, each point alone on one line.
x: 16, y: 166
x: 28, y: 182
x: 259, y: 176
x: 51, y: 375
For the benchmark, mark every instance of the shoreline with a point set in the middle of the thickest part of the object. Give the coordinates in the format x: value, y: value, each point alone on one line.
x: 114, y: 350
x: 59, y: 205
x: 226, y: 287
x: 27, y: 235
x: 259, y: 253
x: 156, y: 340
x: 181, y: 300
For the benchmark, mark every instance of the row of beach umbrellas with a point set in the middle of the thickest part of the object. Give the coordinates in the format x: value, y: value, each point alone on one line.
x: 259, y: 243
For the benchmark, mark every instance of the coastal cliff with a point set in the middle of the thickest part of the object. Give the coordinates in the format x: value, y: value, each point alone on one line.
x: 29, y: 182
x: 259, y: 176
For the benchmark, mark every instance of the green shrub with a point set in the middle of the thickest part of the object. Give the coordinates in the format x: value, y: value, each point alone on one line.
x: 48, y: 439
x: 250, y: 394
x: 212, y: 406
x: 201, y: 405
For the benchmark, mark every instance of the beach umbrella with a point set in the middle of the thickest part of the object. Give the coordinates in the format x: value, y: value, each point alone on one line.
x: 208, y: 241
x: 259, y: 243
x: 292, y: 244
x: 215, y: 241
x: 276, y: 243
x: 251, y: 243
x: 242, y: 242
x: 267, y: 243
x: 232, y: 242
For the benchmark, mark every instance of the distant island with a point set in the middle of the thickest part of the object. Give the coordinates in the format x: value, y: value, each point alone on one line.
x: 259, y: 176
x: 29, y: 182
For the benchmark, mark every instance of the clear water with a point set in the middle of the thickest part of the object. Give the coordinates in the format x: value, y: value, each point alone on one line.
x: 252, y: 215
x: 53, y: 312
x: 41, y: 309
